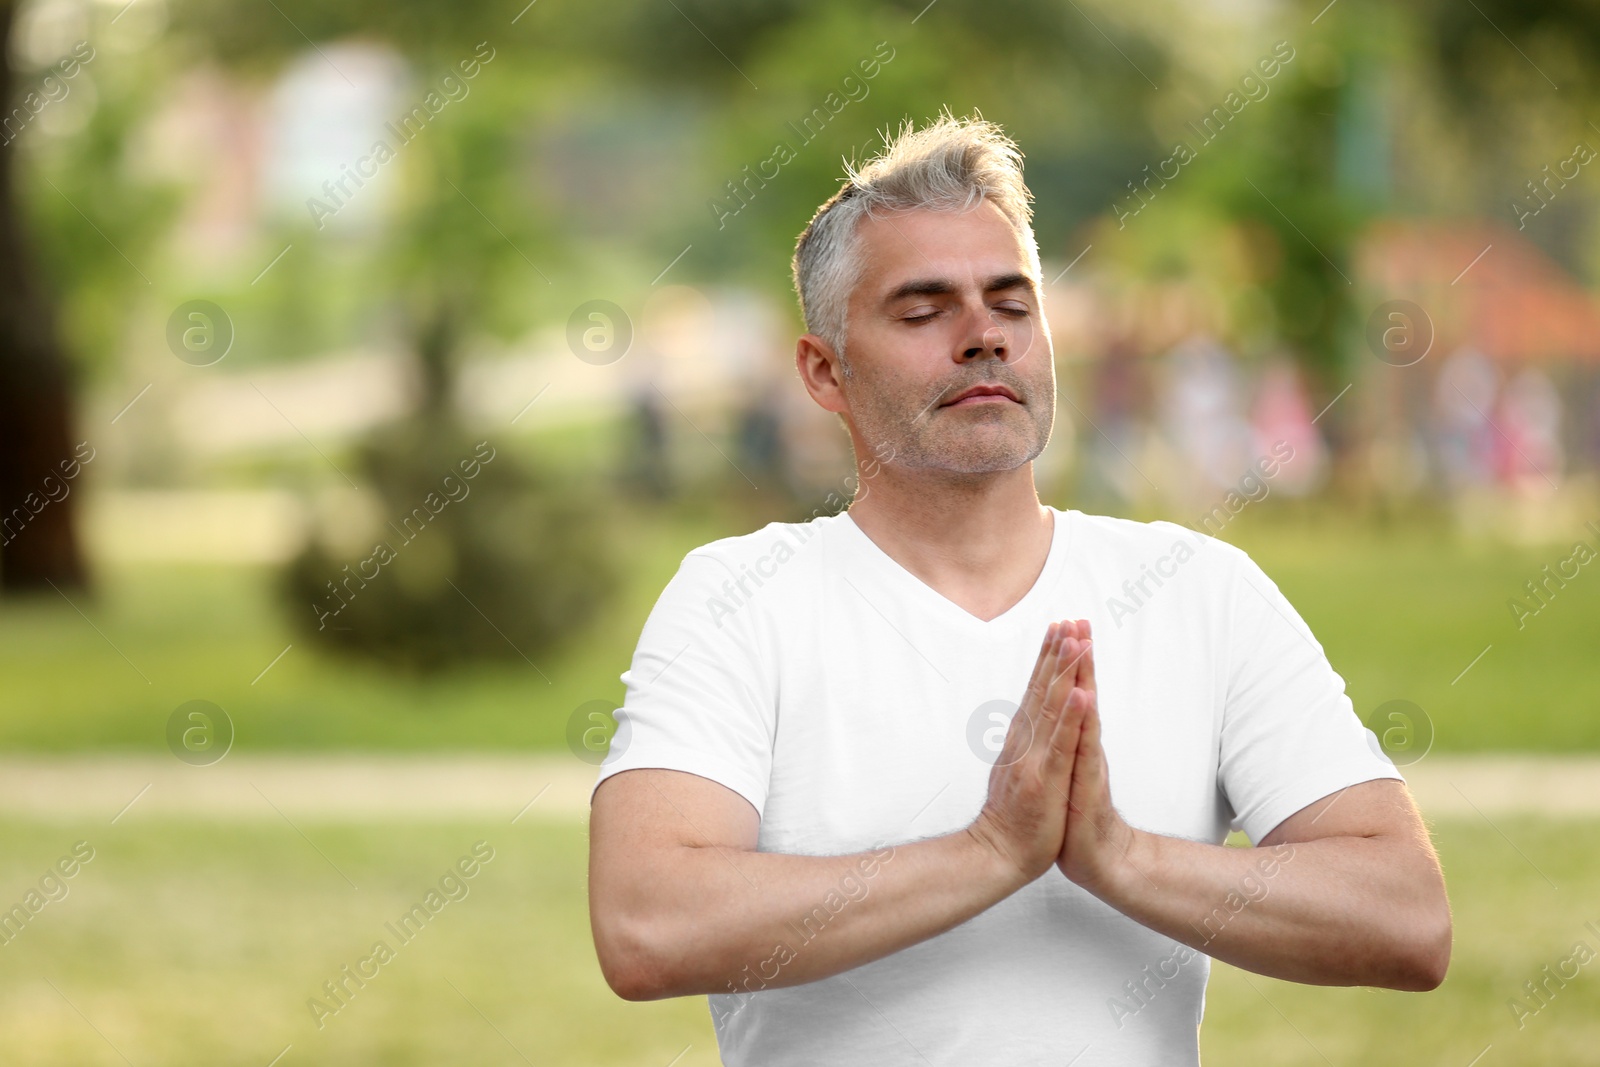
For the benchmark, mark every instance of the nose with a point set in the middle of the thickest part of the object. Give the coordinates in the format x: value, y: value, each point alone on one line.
x: 993, y: 341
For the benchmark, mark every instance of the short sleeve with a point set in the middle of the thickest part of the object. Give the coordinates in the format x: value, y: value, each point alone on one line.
x: 1290, y: 735
x: 697, y: 697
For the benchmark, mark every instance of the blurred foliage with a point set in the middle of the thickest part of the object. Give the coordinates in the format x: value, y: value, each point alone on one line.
x: 515, y: 562
x: 100, y: 222
x: 595, y: 146
x: 479, y: 557
x: 600, y: 141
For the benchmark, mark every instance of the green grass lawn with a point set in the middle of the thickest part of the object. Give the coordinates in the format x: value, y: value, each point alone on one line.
x: 159, y: 636
x: 190, y: 943
x: 1401, y: 613
x: 1509, y: 924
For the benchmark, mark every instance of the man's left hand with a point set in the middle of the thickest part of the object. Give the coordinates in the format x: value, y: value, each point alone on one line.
x: 1096, y: 852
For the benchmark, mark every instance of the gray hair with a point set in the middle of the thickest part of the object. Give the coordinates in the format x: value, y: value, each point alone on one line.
x: 949, y: 165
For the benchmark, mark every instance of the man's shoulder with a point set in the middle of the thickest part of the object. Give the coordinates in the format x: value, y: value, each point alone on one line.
x: 1110, y: 540
x: 771, y: 567
x: 765, y: 551
x: 1137, y: 535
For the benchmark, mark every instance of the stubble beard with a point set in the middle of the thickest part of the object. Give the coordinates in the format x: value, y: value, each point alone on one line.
x: 930, y: 437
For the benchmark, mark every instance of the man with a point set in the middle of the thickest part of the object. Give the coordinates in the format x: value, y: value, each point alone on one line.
x: 815, y: 811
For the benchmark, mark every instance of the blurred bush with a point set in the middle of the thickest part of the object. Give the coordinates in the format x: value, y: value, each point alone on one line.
x: 469, y: 554
x: 516, y: 559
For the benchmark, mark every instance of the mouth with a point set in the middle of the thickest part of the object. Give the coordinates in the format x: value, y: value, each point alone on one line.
x: 983, y: 394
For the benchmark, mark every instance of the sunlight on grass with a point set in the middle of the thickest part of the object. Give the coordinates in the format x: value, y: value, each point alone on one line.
x: 194, y: 943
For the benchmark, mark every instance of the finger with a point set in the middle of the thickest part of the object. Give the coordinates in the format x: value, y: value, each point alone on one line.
x: 1091, y: 756
x: 1055, y: 764
x: 1090, y: 782
x: 1059, y: 698
x: 1044, y: 670
x: 1072, y: 663
x: 1046, y: 648
x: 1020, y: 736
x: 1063, y: 675
x: 1086, y: 666
x: 1065, y: 739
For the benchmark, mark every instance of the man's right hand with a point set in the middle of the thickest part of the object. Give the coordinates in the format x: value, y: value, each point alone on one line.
x: 1024, y: 820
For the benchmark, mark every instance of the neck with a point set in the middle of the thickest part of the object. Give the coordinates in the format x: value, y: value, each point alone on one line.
x: 961, y: 532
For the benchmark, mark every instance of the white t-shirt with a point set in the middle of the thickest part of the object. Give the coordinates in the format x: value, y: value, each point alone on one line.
x: 855, y: 708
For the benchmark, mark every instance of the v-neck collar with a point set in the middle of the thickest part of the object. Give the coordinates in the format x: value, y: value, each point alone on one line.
x: 915, y: 587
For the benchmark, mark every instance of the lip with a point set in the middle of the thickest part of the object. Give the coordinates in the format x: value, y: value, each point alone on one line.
x: 980, y: 393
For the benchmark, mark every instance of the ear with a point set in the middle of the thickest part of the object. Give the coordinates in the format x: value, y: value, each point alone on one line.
x: 818, y: 367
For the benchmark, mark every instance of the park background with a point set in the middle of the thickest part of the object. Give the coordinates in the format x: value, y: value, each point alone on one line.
x: 241, y: 345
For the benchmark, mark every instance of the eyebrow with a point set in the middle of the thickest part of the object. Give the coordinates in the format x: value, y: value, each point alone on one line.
x: 944, y: 287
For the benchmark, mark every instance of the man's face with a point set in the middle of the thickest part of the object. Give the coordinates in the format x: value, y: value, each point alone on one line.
x: 947, y: 301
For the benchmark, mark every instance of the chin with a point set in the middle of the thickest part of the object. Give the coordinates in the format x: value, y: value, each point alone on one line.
x: 987, y: 461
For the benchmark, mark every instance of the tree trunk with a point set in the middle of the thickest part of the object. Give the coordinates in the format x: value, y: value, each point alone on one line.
x: 38, y: 542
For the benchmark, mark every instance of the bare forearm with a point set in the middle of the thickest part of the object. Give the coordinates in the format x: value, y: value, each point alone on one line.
x: 1334, y: 911
x: 725, y: 920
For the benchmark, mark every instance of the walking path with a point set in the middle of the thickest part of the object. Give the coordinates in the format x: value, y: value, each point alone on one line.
x: 350, y: 787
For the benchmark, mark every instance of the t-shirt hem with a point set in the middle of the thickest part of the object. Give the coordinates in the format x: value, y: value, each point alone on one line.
x: 693, y: 762
x: 1285, y: 804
